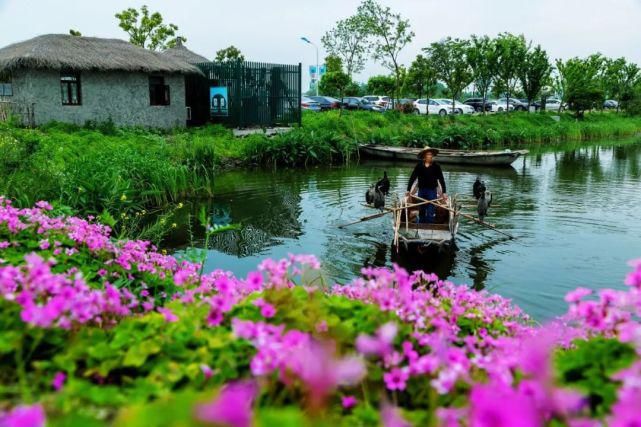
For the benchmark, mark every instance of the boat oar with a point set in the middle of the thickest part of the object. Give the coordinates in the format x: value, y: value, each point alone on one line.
x: 483, y: 223
x: 388, y: 210
x: 367, y: 218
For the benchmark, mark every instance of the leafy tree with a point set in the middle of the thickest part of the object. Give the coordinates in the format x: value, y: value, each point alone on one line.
x: 421, y: 78
x: 384, y: 85
x: 481, y: 57
x: 349, y: 42
x: 449, y: 58
x: 149, y: 32
x: 333, y: 63
x: 390, y: 34
x: 75, y: 32
x: 511, y: 52
x: 620, y: 78
x: 229, y: 54
x: 355, y: 89
x: 535, y: 72
x: 581, y: 82
x: 334, y: 83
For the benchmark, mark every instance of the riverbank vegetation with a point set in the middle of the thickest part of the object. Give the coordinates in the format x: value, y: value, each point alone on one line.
x: 334, y: 138
x: 125, y: 172
x: 102, y: 332
x: 122, y: 175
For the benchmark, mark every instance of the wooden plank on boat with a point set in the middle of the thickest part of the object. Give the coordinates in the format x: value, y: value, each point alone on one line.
x: 445, y: 156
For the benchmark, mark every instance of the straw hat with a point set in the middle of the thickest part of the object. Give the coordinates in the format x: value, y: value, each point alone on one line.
x: 425, y: 150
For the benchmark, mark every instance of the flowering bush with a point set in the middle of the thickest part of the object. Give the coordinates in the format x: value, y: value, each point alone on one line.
x: 95, y: 331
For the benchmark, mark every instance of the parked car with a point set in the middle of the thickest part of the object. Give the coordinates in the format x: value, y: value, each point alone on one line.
x: 477, y: 104
x: 405, y: 101
x: 424, y: 106
x: 381, y: 101
x: 459, y: 107
x: 327, y: 102
x: 405, y: 105
x: 551, y: 104
x: 497, y: 106
x: 355, y: 103
x: 309, y: 104
x: 610, y: 104
x: 515, y: 103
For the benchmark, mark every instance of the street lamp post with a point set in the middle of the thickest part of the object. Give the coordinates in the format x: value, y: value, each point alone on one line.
x: 306, y: 40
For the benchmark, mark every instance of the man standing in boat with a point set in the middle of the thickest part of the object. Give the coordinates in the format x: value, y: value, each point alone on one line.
x: 429, y: 175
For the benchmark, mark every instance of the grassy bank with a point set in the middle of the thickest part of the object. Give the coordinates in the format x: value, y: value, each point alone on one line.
x: 124, y: 174
x: 329, y: 137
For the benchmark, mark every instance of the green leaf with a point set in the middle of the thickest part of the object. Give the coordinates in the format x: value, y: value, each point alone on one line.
x: 138, y: 353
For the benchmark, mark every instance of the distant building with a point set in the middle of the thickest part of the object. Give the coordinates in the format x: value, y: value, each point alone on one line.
x: 75, y: 79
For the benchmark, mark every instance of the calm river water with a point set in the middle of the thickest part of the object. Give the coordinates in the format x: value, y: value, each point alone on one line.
x: 576, y: 213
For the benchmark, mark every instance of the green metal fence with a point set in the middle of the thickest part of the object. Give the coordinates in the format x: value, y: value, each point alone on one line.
x: 246, y: 94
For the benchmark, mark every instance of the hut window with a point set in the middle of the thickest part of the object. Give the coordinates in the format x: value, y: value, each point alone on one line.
x: 6, y: 89
x: 70, y: 89
x: 158, y: 91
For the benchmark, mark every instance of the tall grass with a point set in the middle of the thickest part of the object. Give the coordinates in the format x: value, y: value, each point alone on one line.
x: 101, y: 168
x: 118, y: 173
x: 333, y: 138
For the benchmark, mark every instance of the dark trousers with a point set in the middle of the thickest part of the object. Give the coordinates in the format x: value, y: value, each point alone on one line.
x: 427, y: 213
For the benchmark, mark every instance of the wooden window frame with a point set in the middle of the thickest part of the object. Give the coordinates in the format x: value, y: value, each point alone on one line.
x: 69, y: 79
x: 5, y: 81
x: 159, y: 93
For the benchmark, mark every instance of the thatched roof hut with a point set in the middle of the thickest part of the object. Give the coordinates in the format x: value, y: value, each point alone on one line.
x: 62, y: 51
x: 180, y: 52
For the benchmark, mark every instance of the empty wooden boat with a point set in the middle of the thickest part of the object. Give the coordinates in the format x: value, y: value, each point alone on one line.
x: 445, y: 156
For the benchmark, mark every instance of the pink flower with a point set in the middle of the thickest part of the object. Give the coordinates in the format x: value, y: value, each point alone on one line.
x: 207, y: 372
x: 625, y: 412
x: 44, y: 205
x: 215, y: 317
x: 449, y: 417
x: 267, y: 311
x: 316, y: 365
x: 390, y: 417
x: 24, y: 416
x: 167, y: 314
x: 348, y: 402
x: 321, y: 327
x: 232, y: 407
x: 381, y: 344
x: 577, y: 295
x: 498, y: 405
x: 254, y: 280
x: 58, y: 380
x: 396, y: 379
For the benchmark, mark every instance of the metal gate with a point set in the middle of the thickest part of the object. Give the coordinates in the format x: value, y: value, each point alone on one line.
x: 245, y: 94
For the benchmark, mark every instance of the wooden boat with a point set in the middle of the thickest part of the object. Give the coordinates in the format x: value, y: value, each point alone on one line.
x: 459, y: 157
x: 410, y: 235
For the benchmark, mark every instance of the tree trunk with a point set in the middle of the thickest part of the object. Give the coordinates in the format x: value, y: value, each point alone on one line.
x: 507, y: 104
x: 484, y: 101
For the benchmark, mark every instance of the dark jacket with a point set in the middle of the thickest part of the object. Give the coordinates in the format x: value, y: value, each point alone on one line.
x: 427, y: 177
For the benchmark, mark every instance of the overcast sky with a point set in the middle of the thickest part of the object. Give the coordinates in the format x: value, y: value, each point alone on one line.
x: 270, y: 30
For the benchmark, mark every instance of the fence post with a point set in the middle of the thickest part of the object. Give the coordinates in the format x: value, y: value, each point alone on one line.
x: 300, y: 94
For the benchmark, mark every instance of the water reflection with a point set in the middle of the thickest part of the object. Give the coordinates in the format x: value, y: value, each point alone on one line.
x: 574, y: 213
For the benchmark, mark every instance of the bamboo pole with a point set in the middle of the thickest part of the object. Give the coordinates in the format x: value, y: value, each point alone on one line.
x: 389, y: 210
x: 468, y: 217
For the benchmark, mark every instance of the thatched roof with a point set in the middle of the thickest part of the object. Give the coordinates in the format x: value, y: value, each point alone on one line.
x: 62, y: 51
x: 182, y: 53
